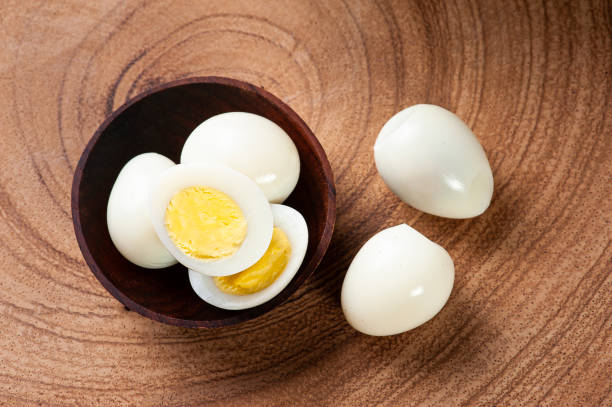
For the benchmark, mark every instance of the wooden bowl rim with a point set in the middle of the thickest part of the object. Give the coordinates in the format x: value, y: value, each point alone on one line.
x: 279, y: 105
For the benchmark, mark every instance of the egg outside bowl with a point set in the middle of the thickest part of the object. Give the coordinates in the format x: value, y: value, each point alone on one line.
x: 159, y: 120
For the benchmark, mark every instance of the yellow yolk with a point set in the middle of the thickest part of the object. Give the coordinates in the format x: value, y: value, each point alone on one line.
x: 263, y: 273
x: 205, y: 223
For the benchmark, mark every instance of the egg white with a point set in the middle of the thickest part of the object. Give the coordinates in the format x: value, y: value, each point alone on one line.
x: 251, y: 144
x: 293, y: 224
x: 240, y: 188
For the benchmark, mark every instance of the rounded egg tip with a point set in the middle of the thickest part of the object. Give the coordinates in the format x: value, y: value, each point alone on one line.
x: 239, y: 188
x: 295, y: 229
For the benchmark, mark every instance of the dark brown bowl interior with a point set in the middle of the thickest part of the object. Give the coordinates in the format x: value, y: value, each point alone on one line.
x: 160, y: 120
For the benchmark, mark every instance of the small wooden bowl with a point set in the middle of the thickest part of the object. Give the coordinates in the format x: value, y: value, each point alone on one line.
x: 159, y: 120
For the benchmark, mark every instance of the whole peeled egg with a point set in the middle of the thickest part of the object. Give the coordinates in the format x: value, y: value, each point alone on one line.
x: 127, y: 213
x: 431, y: 159
x: 251, y: 144
x: 398, y: 280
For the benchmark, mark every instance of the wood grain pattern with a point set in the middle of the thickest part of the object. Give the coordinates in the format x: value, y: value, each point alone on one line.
x: 528, y: 321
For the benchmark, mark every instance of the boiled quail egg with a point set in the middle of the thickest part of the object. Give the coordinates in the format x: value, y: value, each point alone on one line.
x: 251, y: 144
x: 266, y: 278
x: 398, y: 280
x: 211, y: 218
x: 127, y: 213
x: 432, y: 161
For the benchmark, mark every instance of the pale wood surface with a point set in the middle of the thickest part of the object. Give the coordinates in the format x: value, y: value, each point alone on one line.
x: 529, y: 318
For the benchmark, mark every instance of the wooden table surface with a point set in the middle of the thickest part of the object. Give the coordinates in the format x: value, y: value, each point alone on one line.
x: 528, y: 321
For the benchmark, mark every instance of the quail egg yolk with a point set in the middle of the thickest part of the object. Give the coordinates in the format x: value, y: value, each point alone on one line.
x: 205, y: 223
x: 263, y: 273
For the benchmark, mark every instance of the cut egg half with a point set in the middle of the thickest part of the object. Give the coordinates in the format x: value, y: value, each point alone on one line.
x: 269, y: 276
x: 211, y: 218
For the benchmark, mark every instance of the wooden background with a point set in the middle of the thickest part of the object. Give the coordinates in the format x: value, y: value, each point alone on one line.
x: 528, y: 321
